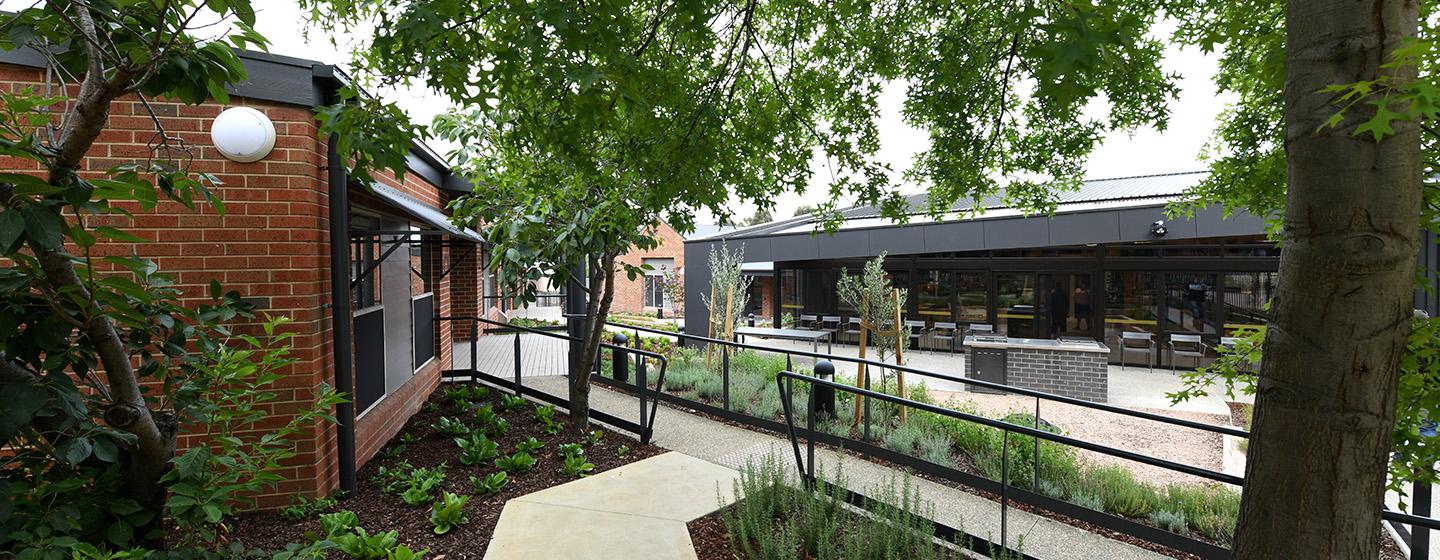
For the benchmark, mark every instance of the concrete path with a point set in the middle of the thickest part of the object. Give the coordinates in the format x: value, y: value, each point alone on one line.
x: 636, y: 511
x: 732, y: 447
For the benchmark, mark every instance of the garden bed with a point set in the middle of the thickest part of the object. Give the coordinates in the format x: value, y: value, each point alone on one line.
x: 421, y: 447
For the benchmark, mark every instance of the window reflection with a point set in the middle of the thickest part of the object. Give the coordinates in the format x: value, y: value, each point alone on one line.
x: 1130, y: 306
x: 1015, y: 306
x: 972, y: 296
x: 1246, y: 294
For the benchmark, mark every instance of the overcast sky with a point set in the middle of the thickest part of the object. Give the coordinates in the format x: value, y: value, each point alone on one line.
x: 1145, y: 151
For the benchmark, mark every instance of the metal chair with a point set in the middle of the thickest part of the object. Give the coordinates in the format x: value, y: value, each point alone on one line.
x: 1138, y: 342
x: 831, y: 324
x: 853, y: 325
x: 980, y: 328
x: 945, y: 331
x: 1187, y: 345
x: 807, y: 321
x: 916, y: 329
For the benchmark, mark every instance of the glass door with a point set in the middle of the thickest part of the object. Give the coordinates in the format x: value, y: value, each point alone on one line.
x: 1064, y: 306
x: 1015, y: 304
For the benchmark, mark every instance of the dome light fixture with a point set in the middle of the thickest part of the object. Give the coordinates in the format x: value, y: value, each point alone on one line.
x: 243, y: 134
x: 1158, y: 229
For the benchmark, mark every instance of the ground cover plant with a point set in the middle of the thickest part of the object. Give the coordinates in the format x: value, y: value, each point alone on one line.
x: 446, y: 490
x: 775, y: 516
x: 1203, y: 511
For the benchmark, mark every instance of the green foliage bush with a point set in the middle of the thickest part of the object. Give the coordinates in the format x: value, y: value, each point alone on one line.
x: 448, y: 513
x: 515, y: 464
x: 775, y: 517
x: 1122, y: 494
x: 477, y: 449
x: 490, y: 483
x: 1169, y: 521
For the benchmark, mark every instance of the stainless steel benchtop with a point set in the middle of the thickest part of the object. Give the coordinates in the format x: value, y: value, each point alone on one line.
x: 1090, y: 346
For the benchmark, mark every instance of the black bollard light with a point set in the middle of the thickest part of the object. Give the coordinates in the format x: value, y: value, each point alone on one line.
x: 825, y: 395
x: 621, y: 359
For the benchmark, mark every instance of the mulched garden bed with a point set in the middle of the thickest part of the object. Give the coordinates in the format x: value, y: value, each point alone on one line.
x: 381, y: 512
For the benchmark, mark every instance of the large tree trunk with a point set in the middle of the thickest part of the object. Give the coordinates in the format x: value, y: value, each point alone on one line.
x: 602, y: 281
x: 1326, y: 400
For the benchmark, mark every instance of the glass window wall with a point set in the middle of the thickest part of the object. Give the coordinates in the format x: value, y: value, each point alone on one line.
x: 1015, y: 306
x: 1130, y: 306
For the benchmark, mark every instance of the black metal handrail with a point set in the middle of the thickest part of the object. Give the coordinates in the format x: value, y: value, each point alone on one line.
x: 1010, y: 427
x: 646, y: 424
x: 1226, y: 430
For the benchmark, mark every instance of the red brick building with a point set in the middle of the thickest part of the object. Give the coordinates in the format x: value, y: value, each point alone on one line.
x: 646, y: 294
x: 408, y: 265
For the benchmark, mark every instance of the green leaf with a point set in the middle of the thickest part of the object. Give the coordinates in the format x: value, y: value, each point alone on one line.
x: 43, y: 225
x: 73, y: 451
x: 12, y: 224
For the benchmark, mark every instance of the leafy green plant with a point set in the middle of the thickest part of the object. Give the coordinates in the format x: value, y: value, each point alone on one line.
x: 576, y: 465
x: 477, y: 449
x: 570, y: 450
x: 430, y: 407
x: 392, y: 452
x: 392, y: 479
x: 493, y: 424
x: 512, y: 403
x: 449, y: 512
x: 421, y: 484
x: 545, y: 413
x: 450, y: 427
x: 1169, y: 521
x: 305, y: 508
x: 515, y: 464
x: 490, y: 483
x: 622, y: 451
x: 594, y: 437
x: 409, y: 437
x: 530, y: 445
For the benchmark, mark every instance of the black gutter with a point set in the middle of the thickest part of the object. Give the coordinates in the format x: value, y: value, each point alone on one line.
x: 340, y: 319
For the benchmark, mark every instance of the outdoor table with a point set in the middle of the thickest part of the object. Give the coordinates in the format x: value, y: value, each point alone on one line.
x: 790, y: 334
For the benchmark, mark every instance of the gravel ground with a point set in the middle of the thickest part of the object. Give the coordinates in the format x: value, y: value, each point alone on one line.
x: 1174, y: 443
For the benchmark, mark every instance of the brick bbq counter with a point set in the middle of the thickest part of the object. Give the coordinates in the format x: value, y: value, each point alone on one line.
x: 1074, y: 368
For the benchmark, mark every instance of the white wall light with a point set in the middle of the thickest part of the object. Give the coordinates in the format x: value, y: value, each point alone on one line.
x: 243, y: 134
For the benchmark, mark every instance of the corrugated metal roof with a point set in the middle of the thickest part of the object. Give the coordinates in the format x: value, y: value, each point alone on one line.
x: 1166, y: 185
x: 1107, y: 193
x: 424, y: 212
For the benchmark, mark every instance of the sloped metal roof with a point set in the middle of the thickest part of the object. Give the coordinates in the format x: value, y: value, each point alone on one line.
x: 423, y: 212
x: 1110, y: 193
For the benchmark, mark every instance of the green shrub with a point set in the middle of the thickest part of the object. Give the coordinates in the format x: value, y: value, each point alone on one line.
x: 448, y: 513
x: 450, y: 427
x: 305, y: 508
x: 1121, y: 493
x: 1214, y: 527
x: 392, y: 479
x: 576, y: 465
x: 1169, y: 521
x: 777, y: 518
x: 594, y: 437
x: 477, y: 449
x: 530, y: 445
x: 491, y: 483
x: 515, y: 464
x: 935, y: 448
x: 710, y: 388
x: 421, y: 483
x: 512, y: 403
x: 905, y: 438
x: 764, y: 365
x: 1088, y: 501
x: 570, y: 450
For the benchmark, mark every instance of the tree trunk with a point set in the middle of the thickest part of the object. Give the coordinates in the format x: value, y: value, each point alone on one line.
x: 602, y: 281
x: 1326, y: 399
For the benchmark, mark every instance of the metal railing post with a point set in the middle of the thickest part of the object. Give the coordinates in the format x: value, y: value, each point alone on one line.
x: 474, y: 350
x: 1004, y: 485
x: 810, y: 436
x: 1035, y: 471
x: 1420, y: 536
x: 866, y: 405
x: 518, y: 386
x: 640, y: 387
x: 725, y: 376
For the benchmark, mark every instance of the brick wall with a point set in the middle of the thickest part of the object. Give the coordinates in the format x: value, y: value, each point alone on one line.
x: 1082, y: 375
x: 630, y: 294
x: 271, y: 245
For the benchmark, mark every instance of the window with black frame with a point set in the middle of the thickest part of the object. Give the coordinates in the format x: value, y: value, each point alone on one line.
x: 1245, y: 297
x: 654, y: 289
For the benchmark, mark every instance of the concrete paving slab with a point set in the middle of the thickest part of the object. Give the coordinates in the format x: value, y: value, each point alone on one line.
x: 529, y: 530
x: 671, y: 486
